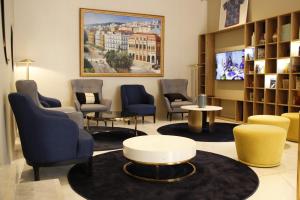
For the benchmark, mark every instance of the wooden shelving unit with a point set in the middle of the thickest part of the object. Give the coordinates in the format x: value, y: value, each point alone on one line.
x: 273, y: 90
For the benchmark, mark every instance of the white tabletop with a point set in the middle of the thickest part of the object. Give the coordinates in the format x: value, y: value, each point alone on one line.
x: 159, y: 149
x: 197, y: 108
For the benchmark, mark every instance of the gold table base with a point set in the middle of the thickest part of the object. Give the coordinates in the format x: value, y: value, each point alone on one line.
x: 157, y: 179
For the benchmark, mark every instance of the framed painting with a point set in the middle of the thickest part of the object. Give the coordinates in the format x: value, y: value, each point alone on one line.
x: 233, y: 13
x: 121, y: 44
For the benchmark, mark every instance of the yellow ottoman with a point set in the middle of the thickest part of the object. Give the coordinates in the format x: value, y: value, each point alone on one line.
x: 282, y: 122
x: 293, y: 132
x: 259, y: 145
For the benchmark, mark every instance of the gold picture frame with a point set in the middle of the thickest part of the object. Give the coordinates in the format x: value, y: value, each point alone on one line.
x: 122, y: 44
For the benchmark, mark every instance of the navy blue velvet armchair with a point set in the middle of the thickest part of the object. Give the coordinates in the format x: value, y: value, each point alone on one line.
x: 135, y: 100
x: 49, y: 138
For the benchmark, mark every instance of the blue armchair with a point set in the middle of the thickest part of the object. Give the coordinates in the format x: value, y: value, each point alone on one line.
x: 49, y: 138
x: 135, y: 100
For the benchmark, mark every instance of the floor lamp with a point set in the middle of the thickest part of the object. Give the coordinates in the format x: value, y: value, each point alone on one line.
x: 28, y: 62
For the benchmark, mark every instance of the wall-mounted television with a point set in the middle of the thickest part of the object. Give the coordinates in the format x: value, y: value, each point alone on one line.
x: 230, y: 65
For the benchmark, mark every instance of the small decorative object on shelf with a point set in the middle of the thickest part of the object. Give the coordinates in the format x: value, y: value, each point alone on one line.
x: 261, y: 53
x: 286, y: 32
x: 272, y: 83
x: 251, y: 96
x: 274, y: 37
x: 262, y: 39
x: 253, y: 39
x: 202, y: 100
x: 285, y: 83
x: 299, y: 33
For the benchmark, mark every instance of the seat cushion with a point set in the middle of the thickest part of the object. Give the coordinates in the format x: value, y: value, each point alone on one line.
x: 293, y: 132
x: 270, y: 120
x: 93, y: 108
x: 141, y: 109
x: 178, y: 104
x: 85, y: 144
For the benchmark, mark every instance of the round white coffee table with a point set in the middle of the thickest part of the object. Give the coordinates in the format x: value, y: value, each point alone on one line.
x: 160, y: 158
x: 197, y: 118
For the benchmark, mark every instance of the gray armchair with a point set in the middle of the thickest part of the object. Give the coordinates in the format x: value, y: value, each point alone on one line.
x: 29, y: 88
x: 173, y: 86
x: 90, y: 86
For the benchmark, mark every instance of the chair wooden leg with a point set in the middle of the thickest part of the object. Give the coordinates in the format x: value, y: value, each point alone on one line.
x: 143, y: 119
x: 128, y: 122
x: 171, y: 116
x: 182, y: 116
x: 36, y: 172
x: 154, y: 119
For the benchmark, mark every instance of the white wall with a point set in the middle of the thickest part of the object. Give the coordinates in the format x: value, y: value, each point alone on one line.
x: 48, y: 32
x: 6, y: 78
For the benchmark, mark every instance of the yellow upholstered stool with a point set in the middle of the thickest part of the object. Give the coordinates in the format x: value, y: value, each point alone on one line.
x: 259, y: 145
x: 293, y: 132
x: 282, y: 122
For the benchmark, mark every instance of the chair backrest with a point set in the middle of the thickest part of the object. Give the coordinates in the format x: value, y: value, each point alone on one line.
x: 26, y: 113
x: 135, y: 94
x: 87, y: 85
x: 29, y: 88
x: 174, y: 86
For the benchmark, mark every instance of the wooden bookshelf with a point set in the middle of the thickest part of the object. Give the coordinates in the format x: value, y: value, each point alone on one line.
x: 276, y: 44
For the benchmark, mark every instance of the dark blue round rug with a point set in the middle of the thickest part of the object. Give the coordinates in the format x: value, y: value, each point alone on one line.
x: 219, y: 132
x: 217, y: 178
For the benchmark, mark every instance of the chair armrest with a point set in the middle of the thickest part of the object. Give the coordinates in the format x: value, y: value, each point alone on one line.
x: 76, y: 103
x: 49, y: 102
x: 150, y: 98
x: 54, y: 113
x: 55, y: 139
x: 189, y: 98
x: 168, y: 104
x: 107, y: 103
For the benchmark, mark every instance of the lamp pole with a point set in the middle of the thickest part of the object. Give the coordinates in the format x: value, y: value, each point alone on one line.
x: 28, y: 62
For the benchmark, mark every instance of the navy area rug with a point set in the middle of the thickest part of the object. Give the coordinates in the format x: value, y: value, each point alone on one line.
x: 219, y: 132
x: 108, y: 138
x: 217, y: 178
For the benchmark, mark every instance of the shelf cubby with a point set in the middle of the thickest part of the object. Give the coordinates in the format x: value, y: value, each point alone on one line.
x: 280, y: 109
x: 296, y: 25
x: 272, y: 30
x: 284, y: 28
x: 295, y: 98
x: 249, y: 94
x: 259, y: 81
x: 259, y: 95
x: 249, y: 80
x: 284, y: 49
x: 282, y: 97
x: 271, y: 51
x: 269, y: 109
x: 283, y: 81
x: 258, y: 109
x: 260, y: 31
x: 271, y: 66
x: 249, y: 31
x: 270, y: 96
x: 248, y: 110
x: 294, y: 108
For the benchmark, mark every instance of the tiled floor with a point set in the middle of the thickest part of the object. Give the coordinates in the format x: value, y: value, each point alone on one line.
x: 278, y: 183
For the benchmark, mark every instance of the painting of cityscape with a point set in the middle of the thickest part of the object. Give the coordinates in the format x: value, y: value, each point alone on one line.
x: 120, y: 44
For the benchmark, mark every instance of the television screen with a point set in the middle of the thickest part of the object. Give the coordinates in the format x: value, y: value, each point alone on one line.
x: 230, y: 65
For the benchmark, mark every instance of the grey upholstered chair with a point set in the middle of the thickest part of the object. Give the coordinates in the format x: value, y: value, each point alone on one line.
x: 175, y: 86
x: 89, y: 86
x: 29, y: 88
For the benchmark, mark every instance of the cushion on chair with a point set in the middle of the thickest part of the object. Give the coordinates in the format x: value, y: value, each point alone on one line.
x: 178, y: 104
x: 87, y: 98
x: 175, y: 97
x: 85, y: 144
x: 93, y: 108
x: 141, y: 109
